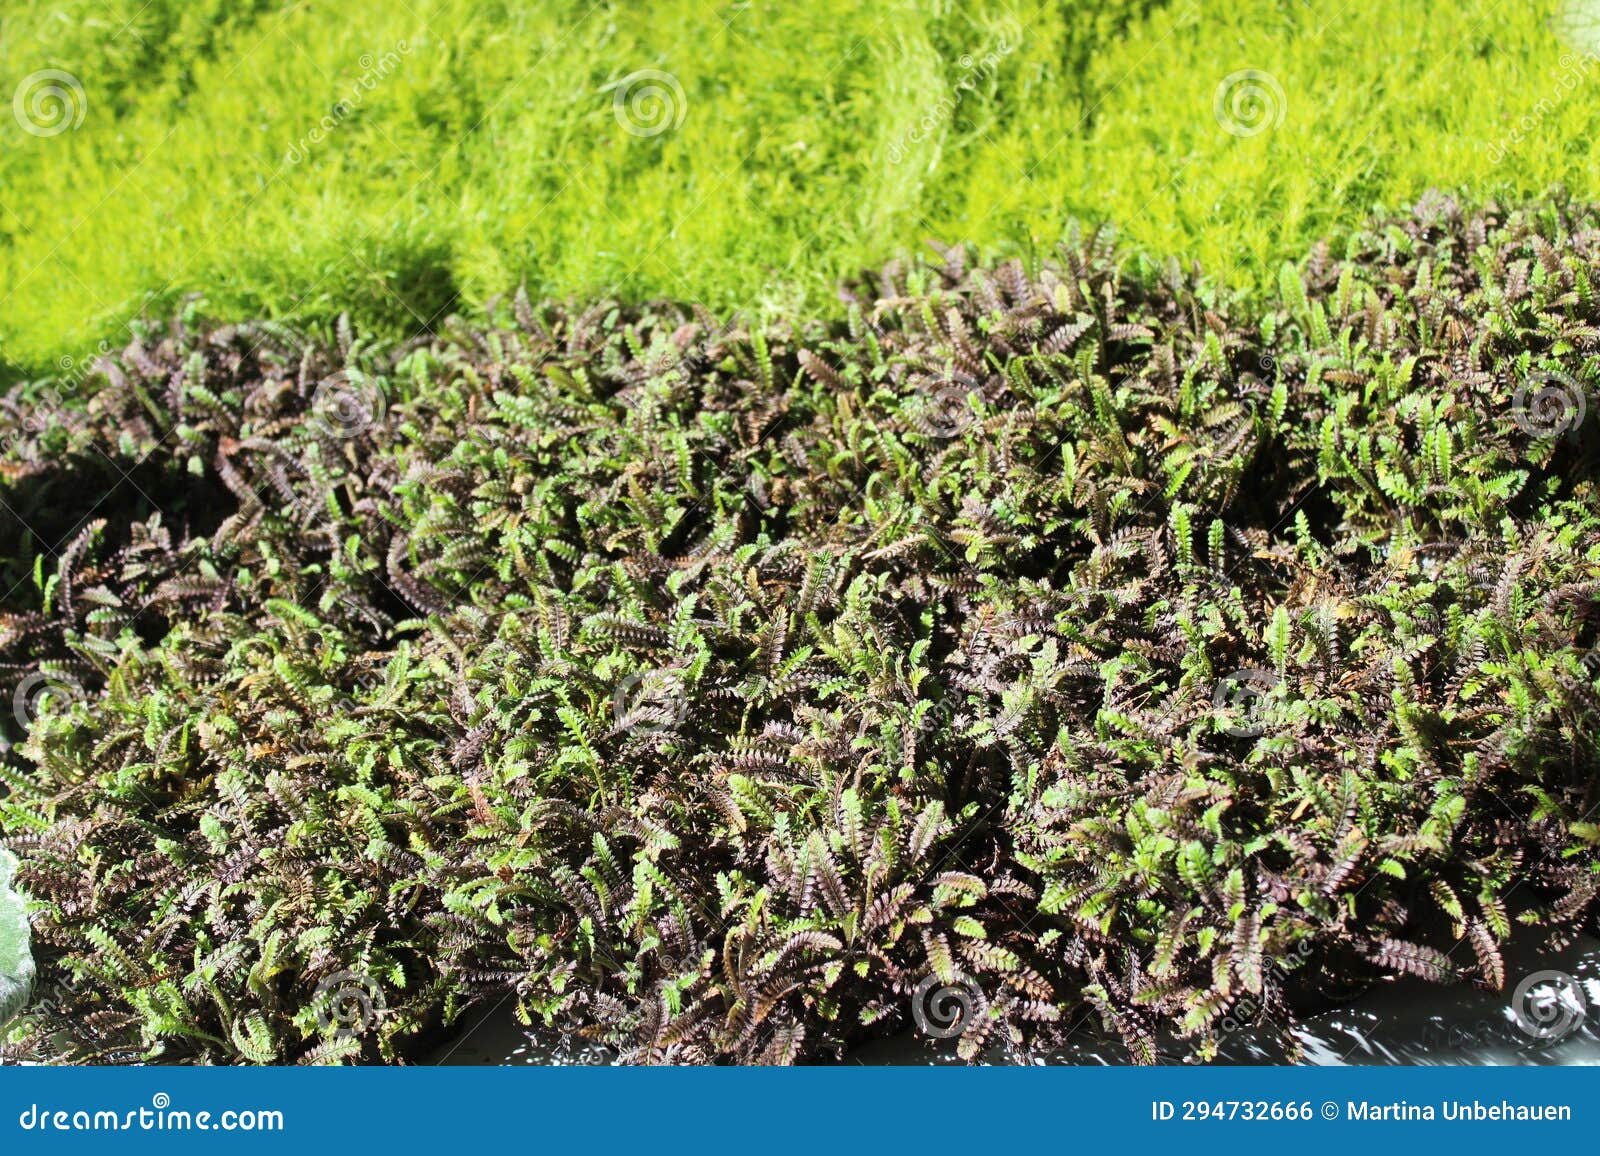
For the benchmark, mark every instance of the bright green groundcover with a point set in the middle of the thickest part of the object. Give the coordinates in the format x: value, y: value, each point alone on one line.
x: 401, y: 158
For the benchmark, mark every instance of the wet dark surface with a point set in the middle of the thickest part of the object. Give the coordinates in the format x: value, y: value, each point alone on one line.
x: 1404, y: 1022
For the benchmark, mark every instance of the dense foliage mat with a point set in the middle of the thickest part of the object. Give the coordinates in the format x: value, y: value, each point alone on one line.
x: 1053, y: 642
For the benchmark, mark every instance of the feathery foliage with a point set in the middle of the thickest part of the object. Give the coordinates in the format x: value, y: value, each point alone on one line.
x: 709, y: 687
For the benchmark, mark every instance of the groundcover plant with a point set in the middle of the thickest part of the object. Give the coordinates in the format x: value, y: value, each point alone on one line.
x: 397, y: 160
x: 505, y: 522
x: 1034, y: 643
